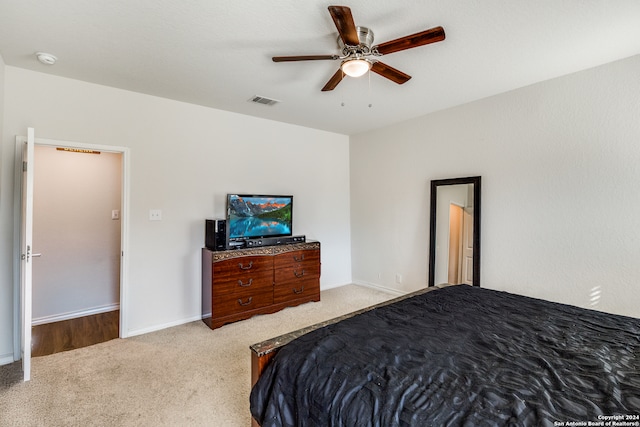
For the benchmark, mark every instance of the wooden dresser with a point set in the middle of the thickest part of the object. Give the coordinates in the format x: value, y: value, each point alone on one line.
x: 240, y: 283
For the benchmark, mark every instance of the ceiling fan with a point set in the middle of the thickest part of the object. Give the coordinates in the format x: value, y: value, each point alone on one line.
x: 358, y: 56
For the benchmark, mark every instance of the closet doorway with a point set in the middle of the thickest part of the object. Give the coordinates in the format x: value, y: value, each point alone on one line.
x: 77, y: 232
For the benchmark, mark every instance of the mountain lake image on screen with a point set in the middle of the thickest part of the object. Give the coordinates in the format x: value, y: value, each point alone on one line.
x: 252, y: 216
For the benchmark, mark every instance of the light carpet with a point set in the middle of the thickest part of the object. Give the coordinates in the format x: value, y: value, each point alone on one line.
x: 188, y: 375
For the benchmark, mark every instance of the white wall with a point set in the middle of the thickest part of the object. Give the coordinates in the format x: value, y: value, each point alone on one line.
x: 559, y: 162
x: 74, y: 194
x: 184, y: 159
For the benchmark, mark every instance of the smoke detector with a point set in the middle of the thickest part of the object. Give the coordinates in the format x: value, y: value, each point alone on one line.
x: 46, y: 58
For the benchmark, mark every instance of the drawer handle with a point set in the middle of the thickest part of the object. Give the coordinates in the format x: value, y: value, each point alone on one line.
x: 244, y: 304
x: 298, y: 291
x: 242, y: 267
x: 298, y: 259
x: 295, y: 272
x: 244, y: 285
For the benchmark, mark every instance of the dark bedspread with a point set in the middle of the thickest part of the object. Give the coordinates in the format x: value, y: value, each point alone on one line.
x: 456, y: 356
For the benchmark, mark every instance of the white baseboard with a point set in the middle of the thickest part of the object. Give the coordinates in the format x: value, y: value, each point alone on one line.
x: 379, y: 288
x: 75, y: 314
x: 155, y: 328
x: 325, y: 287
x: 6, y: 359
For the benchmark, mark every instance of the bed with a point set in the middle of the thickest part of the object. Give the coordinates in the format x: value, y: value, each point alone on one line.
x: 449, y: 356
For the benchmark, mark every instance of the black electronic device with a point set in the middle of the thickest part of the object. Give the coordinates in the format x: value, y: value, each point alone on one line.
x: 273, y: 241
x: 237, y: 244
x: 215, y: 234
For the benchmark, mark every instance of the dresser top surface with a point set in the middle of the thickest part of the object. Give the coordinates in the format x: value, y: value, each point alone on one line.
x: 264, y: 250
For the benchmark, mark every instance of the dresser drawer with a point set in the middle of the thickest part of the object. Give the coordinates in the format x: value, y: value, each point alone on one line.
x: 296, y: 289
x: 299, y: 272
x: 238, y: 303
x: 293, y: 258
x: 241, y: 265
x: 241, y: 283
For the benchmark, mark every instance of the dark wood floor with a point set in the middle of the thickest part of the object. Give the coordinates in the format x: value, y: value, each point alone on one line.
x: 74, y: 333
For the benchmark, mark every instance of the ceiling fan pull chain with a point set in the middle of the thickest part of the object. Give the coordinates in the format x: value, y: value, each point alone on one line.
x: 370, y: 103
x: 342, y: 92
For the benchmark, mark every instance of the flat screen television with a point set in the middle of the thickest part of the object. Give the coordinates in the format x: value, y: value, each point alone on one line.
x: 258, y: 216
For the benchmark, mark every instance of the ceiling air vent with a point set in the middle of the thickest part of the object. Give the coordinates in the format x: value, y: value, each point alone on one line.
x: 264, y: 101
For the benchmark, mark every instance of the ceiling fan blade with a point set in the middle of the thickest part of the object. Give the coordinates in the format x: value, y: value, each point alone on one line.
x: 390, y: 73
x: 333, y: 81
x: 303, y: 58
x: 414, y: 40
x: 344, y: 23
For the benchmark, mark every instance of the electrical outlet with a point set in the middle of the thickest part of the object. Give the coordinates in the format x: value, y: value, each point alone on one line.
x: 398, y: 278
x: 155, y: 215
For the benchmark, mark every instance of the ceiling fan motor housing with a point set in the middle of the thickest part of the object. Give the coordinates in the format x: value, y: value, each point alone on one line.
x: 365, y: 36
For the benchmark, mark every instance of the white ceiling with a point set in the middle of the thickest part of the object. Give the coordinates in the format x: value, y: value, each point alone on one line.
x: 218, y: 54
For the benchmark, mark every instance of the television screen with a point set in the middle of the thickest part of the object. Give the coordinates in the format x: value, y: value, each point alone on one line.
x: 250, y: 216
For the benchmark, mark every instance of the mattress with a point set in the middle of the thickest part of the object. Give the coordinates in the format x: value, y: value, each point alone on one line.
x: 460, y: 355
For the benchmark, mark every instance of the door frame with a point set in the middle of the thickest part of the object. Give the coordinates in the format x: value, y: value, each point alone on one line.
x: 468, y: 213
x: 124, y: 228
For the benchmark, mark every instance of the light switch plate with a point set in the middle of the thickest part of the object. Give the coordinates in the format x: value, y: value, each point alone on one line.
x: 115, y: 214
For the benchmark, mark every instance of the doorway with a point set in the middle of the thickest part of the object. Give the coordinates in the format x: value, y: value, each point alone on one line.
x: 77, y: 234
x: 22, y: 339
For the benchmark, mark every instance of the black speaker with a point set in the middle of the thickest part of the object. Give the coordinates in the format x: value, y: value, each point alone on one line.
x: 215, y: 234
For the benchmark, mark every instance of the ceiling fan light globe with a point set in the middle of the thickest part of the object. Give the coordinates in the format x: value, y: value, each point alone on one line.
x: 355, y: 67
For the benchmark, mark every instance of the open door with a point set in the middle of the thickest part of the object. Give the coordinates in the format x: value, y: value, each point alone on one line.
x: 26, y: 252
x: 466, y: 275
